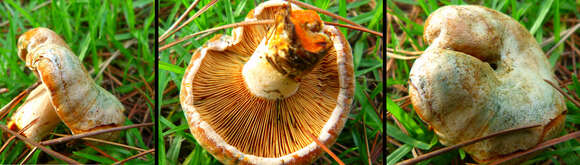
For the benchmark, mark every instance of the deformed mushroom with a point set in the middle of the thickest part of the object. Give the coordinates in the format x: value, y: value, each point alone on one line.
x: 78, y: 101
x: 482, y: 73
x: 253, y: 98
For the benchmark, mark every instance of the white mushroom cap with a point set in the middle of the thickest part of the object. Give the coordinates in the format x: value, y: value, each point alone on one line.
x: 456, y: 90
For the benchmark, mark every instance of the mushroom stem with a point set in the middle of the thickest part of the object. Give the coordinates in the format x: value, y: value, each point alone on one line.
x: 263, y: 80
x: 290, y: 50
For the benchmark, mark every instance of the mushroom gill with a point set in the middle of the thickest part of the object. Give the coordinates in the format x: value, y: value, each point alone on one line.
x: 259, y: 126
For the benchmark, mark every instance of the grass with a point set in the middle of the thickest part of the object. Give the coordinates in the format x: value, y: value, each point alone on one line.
x: 544, y: 19
x: 176, y: 143
x: 94, y: 30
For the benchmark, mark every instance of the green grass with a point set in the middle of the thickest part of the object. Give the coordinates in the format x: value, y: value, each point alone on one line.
x: 543, y: 19
x: 94, y: 30
x: 176, y: 143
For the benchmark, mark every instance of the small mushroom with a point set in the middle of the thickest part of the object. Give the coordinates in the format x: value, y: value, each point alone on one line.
x: 482, y: 73
x: 36, y: 107
x: 253, y: 98
x: 79, y: 102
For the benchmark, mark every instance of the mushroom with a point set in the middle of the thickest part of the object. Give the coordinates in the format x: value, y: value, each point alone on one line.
x: 482, y: 73
x: 254, y: 97
x: 36, y: 107
x: 79, y: 102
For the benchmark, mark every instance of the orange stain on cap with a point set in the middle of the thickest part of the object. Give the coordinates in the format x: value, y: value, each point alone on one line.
x: 311, y: 42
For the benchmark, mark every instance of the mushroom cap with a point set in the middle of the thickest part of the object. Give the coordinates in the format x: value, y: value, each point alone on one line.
x: 79, y: 102
x: 238, y: 127
x: 455, y: 89
x: 36, y: 37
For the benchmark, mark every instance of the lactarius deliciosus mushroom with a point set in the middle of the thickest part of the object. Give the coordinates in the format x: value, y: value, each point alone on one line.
x: 253, y: 98
x: 482, y: 73
x: 36, y: 107
x: 79, y: 102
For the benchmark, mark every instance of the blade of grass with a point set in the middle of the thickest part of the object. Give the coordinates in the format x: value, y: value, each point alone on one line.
x: 23, y: 12
x: 541, y: 15
x: 404, y: 118
x: 174, y: 148
x: 394, y: 132
x: 398, y: 154
x: 171, y: 67
x: 95, y: 158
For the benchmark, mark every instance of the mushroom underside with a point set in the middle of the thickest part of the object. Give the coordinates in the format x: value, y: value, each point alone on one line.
x: 236, y: 125
x: 258, y: 126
